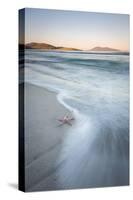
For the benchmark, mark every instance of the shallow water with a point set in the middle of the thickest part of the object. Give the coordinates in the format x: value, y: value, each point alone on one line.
x: 96, y: 88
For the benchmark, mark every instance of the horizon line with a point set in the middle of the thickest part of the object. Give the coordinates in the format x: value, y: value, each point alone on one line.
x: 62, y: 46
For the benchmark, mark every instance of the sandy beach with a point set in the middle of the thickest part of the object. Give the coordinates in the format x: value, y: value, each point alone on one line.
x: 43, y: 137
x: 60, y: 157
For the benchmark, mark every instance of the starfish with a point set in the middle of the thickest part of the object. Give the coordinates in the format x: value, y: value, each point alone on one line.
x: 66, y: 120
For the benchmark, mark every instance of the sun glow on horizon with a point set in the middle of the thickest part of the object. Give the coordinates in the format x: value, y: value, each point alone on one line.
x: 74, y: 29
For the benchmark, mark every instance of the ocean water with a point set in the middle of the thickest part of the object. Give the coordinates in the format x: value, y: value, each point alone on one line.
x: 95, y: 88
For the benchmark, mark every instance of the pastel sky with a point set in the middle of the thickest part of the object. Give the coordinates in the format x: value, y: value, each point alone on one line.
x: 76, y: 29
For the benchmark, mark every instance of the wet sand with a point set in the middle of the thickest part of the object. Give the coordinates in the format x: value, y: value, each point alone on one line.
x: 43, y: 137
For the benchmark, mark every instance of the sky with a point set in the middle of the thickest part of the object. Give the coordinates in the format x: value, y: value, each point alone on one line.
x: 83, y: 30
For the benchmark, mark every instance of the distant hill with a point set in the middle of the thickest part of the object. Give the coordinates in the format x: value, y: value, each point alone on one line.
x: 34, y: 45
x: 103, y: 49
x: 67, y: 49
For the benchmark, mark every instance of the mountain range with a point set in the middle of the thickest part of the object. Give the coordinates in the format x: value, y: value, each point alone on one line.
x: 35, y: 45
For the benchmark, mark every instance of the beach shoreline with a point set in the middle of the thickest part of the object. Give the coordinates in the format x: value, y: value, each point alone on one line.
x: 43, y: 137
